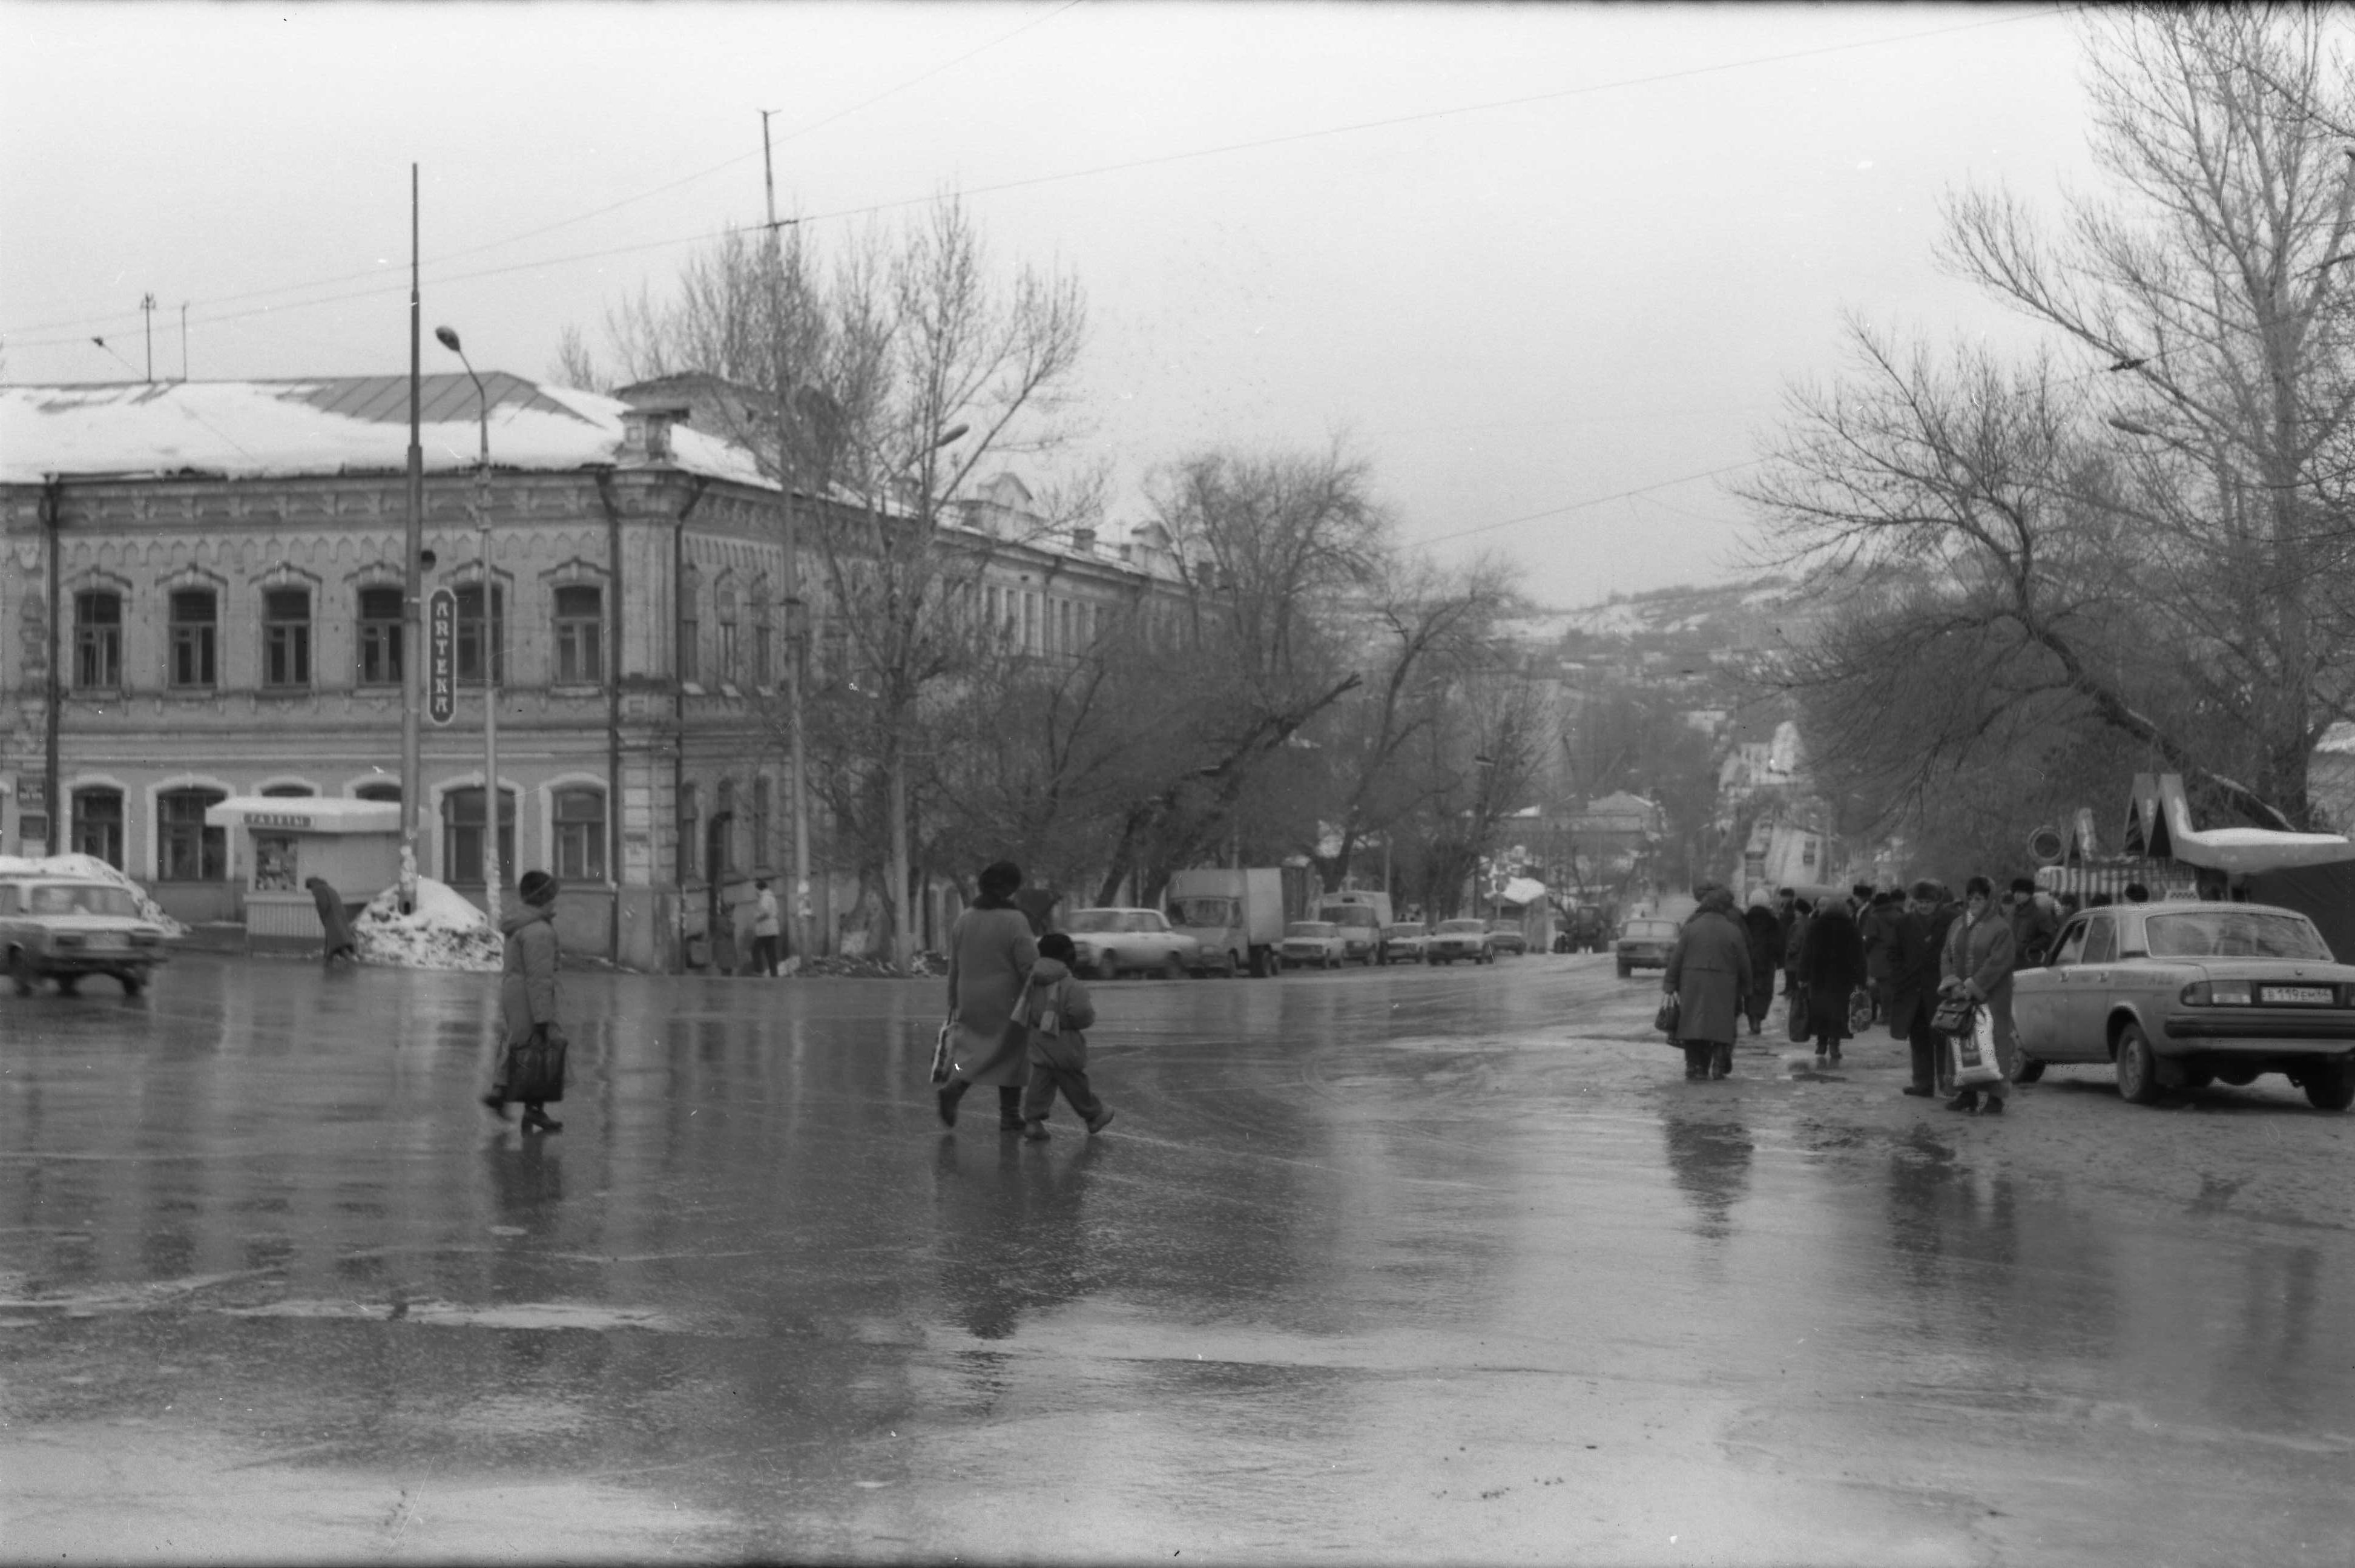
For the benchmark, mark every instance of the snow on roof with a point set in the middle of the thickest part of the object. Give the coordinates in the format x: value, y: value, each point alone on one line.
x: 325, y: 425
x: 2338, y: 739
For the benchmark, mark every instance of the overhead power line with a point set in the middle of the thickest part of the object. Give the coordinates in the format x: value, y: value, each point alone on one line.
x: 1026, y: 183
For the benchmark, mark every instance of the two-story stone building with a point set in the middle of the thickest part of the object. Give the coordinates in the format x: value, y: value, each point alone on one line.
x: 214, y: 572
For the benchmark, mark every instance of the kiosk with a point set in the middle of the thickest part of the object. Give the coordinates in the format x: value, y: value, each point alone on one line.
x: 281, y: 841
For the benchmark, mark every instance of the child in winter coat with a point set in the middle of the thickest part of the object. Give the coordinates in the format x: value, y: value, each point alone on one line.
x: 1057, y: 1008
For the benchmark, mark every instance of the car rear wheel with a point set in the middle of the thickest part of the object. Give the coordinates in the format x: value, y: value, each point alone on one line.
x: 132, y: 983
x: 2239, y: 1077
x: 1173, y: 967
x: 2137, y: 1067
x: 1624, y: 969
x: 20, y: 973
x: 2331, y: 1088
x: 2030, y: 1069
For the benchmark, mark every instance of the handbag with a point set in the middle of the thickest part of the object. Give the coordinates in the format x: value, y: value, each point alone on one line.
x: 536, y: 1066
x: 1860, y: 1010
x: 1795, y: 1025
x: 941, y: 1052
x: 1975, y: 1056
x: 1665, y: 1021
x: 1954, y: 1014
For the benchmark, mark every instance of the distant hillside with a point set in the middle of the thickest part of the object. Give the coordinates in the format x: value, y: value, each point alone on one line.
x: 1724, y: 618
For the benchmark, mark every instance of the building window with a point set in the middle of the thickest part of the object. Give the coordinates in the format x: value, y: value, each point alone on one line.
x: 764, y: 647
x: 760, y: 821
x: 293, y: 792
x: 691, y: 829
x: 579, y: 635
x: 1029, y: 623
x: 194, y: 628
x: 580, y: 835
x: 390, y: 792
x: 286, y: 637
x: 461, y: 837
x: 471, y: 637
x: 380, y: 636
x: 98, y: 825
x: 690, y: 630
x: 728, y: 646
x: 97, y: 639
x: 723, y: 829
x: 186, y: 850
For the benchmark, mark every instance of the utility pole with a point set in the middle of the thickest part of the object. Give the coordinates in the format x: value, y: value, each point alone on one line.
x: 147, y: 312
x: 184, y: 340
x: 794, y: 622
x: 412, y: 616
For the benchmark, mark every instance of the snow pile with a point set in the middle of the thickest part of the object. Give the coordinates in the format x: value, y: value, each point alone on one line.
x: 445, y: 932
x: 92, y: 866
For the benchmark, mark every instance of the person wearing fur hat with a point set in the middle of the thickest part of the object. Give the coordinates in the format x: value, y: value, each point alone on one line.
x: 528, y: 994
x: 1059, y: 1011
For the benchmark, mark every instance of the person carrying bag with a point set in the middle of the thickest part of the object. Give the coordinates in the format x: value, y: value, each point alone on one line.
x: 531, y: 1065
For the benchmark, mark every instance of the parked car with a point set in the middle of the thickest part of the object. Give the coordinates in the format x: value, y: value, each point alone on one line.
x: 1317, y: 942
x: 1140, y: 940
x: 2181, y: 995
x: 1403, y: 944
x: 1506, y: 936
x: 1454, y: 939
x: 64, y: 927
x: 1644, y: 943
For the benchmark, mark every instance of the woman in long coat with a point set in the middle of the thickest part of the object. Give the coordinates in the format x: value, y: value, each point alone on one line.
x: 1765, y: 957
x: 1708, y: 971
x: 1831, y: 965
x: 991, y: 951
x: 528, y: 1000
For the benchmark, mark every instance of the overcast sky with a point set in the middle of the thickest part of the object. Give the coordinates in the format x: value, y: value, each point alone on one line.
x: 1522, y: 259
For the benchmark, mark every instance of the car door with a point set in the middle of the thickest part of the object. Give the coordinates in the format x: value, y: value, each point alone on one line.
x: 2086, y: 1013
x: 2039, y: 998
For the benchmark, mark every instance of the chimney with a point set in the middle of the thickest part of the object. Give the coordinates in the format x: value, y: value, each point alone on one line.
x: 645, y: 431
x: 1083, y: 539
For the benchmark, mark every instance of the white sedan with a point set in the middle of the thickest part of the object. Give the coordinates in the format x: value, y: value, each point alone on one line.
x: 1140, y: 940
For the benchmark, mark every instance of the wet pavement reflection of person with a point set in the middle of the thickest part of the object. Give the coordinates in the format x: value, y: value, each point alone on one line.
x: 1710, y: 1162
x: 1011, y: 1240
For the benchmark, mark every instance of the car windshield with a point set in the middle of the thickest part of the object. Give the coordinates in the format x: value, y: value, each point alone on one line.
x: 90, y: 898
x: 1144, y: 920
x: 1399, y: 933
x: 2233, y: 933
x: 1650, y: 930
x: 1510, y: 927
x: 1463, y: 925
x: 1311, y: 928
x: 1350, y: 915
x: 1095, y: 920
x: 1203, y: 910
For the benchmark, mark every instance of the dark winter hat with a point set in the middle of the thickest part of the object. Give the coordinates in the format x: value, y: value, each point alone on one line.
x: 1059, y: 947
x: 538, y: 888
x: 1927, y: 891
x: 1001, y: 880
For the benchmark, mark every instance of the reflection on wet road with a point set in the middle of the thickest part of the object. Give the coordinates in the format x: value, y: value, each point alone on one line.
x: 1421, y: 1265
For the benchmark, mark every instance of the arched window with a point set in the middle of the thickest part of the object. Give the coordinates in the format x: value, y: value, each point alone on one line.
x: 98, y: 638
x: 295, y: 792
x: 195, y: 627
x: 728, y: 646
x: 380, y: 791
x: 690, y: 628
x: 380, y: 638
x: 581, y: 834
x: 724, y: 830
x: 472, y: 636
x: 461, y: 836
x: 186, y: 850
x: 580, y: 635
x: 286, y: 637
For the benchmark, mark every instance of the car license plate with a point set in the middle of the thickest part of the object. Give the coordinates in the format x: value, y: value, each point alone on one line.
x: 2297, y: 995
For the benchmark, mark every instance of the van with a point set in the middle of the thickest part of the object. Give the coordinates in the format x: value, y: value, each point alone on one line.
x: 1363, y: 917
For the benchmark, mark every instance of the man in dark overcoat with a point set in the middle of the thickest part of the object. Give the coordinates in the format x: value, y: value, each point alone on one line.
x: 1914, y: 974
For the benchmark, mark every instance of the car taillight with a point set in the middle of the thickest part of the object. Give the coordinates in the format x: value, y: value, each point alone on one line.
x: 2217, y: 994
x: 67, y: 939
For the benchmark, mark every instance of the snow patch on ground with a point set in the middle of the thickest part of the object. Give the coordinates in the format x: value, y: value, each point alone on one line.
x: 92, y: 866
x: 444, y: 932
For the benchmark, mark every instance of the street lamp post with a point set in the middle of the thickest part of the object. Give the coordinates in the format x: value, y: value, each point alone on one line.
x: 492, y: 865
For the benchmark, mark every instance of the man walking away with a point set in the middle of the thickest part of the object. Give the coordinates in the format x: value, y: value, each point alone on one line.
x: 766, y: 928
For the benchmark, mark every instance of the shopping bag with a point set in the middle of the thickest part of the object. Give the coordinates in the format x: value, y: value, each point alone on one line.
x: 1974, y: 1058
x: 1795, y: 1025
x: 1665, y: 1021
x: 941, y: 1052
x: 1860, y: 1010
x: 536, y: 1067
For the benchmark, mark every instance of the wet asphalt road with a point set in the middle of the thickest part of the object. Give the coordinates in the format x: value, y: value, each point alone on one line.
x: 1430, y: 1264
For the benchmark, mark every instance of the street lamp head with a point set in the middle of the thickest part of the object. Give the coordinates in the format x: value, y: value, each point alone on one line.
x: 448, y: 338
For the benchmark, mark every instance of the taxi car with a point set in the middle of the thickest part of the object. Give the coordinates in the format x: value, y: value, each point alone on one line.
x: 1456, y: 939
x: 1506, y: 936
x: 2182, y: 995
x: 1109, y: 942
x: 1644, y: 943
x: 1317, y: 942
x: 64, y: 927
x: 1403, y: 944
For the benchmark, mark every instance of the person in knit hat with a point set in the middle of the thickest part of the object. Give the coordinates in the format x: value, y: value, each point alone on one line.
x: 528, y: 1008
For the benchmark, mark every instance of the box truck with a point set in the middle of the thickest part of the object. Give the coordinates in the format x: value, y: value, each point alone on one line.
x: 1238, y: 913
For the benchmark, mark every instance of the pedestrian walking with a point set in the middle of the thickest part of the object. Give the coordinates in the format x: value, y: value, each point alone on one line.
x: 768, y: 927
x: 1978, y: 965
x: 990, y: 952
x: 1786, y: 915
x: 1766, y: 934
x: 1831, y: 967
x: 330, y: 905
x: 1878, y: 931
x: 1915, y: 954
x: 1709, y: 974
x: 1058, y: 1010
x: 1794, y: 942
x: 531, y: 1048
x: 2034, y: 922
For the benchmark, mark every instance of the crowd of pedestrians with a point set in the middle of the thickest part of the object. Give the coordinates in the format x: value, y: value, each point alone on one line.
x: 1879, y: 955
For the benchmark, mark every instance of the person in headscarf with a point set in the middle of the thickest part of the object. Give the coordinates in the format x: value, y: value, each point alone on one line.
x: 1831, y: 967
x: 1765, y: 933
x: 1708, y: 972
x: 991, y: 951
x: 527, y: 1001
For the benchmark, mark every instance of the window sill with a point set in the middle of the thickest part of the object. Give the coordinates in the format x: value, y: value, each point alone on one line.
x: 190, y: 693
x: 284, y: 693
x: 95, y: 693
x: 692, y: 689
x: 576, y: 687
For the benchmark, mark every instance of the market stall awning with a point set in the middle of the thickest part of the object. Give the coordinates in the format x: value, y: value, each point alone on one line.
x: 304, y: 813
x: 2159, y: 825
